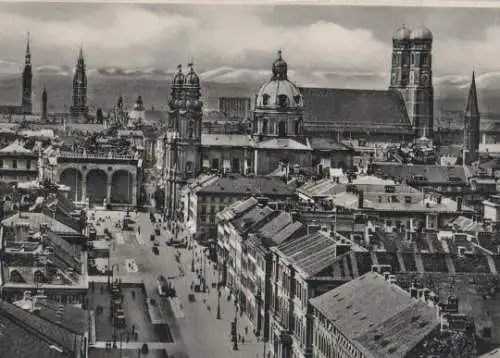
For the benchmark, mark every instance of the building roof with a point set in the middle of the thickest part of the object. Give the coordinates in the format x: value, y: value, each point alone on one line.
x: 34, y: 220
x: 226, y: 140
x: 16, y: 148
x: 311, y: 253
x: 258, y: 185
x: 328, y: 144
x: 495, y: 353
x: 253, y: 217
x: 401, y: 333
x: 370, y: 306
x: 283, y: 143
x: 358, y: 109
x: 24, y: 334
x: 435, y: 174
x: 275, y: 225
x: 291, y: 230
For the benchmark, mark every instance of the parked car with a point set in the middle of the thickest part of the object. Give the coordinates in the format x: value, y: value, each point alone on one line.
x: 156, y: 243
x: 152, y: 237
x: 155, y: 250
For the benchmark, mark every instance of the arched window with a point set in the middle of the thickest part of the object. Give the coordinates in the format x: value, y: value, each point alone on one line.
x: 297, y: 127
x: 265, y: 125
x: 190, y: 130
x: 282, y: 129
x: 265, y: 99
x: 15, y: 276
x: 189, y: 167
x: 283, y: 100
x: 38, y: 276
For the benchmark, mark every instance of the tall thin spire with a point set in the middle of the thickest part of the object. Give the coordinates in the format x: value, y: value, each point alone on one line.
x: 472, y: 107
x: 28, y: 45
x: 80, y: 54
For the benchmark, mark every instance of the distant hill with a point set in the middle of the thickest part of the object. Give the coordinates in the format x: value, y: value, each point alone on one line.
x: 106, y: 84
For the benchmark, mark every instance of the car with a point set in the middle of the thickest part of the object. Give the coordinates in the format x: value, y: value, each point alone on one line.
x: 156, y: 243
x: 155, y: 250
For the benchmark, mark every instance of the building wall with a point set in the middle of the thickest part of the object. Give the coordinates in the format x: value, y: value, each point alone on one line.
x: 239, y: 107
x: 268, y: 160
x: 236, y: 159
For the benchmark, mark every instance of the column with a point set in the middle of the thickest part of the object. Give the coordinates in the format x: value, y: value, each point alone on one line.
x: 108, y: 191
x: 133, y: 199
x: 83, y: 189
x: 256, y: 162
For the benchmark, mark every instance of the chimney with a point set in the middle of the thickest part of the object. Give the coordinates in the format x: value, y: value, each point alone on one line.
x: 360, y: 199
x: 413, y: 291
x: 459, y: 203
x: 452, y: 306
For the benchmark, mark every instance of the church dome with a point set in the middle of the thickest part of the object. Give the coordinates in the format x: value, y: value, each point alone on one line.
x: 421, y: 33
x: 401, y: 34
x: 279, y: 92
x: 192, y: 78
x: 179, y: 77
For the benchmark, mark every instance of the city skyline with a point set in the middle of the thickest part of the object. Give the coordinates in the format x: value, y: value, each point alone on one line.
x: 357, y: 40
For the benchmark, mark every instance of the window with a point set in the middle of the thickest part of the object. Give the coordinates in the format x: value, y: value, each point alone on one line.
x: 189, y: 167
x: 1, y: 163
x: 297, y: 127
x: 190, y: 130
x: 265, y: 125
x: 265, y: 99
x: 28, y: 164
x: 412, y: 59
x: 283, y: 100
x: 14, y: 164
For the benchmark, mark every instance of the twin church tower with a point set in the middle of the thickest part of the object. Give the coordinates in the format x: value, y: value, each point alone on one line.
x: 79, y: 104
x: 411, y: 75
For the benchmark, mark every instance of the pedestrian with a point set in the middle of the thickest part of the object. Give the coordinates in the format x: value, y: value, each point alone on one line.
x: 133, y: 328
x: 246, y: 329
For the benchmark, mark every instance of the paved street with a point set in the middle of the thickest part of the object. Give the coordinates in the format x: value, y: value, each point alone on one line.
x: 195, y: 325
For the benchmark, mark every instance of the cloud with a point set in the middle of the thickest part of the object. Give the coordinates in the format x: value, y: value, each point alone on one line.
x: 238, y: 37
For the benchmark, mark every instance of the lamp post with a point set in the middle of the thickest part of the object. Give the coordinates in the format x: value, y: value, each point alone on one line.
x: 235, y: 343
x: 218, y: 302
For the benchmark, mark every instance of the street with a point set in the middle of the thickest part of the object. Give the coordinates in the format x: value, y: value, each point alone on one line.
x: 193, y: 325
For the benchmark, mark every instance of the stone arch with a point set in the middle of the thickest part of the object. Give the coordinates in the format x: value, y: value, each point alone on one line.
x: 97, y: 184
x: 15, y: 276
x: 72, y: 178
x: 122, y: 184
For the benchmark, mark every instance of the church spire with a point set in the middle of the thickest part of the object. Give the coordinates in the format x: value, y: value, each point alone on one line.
x: 28, y: 52
x: 27, y: 81
x: 472, y: 108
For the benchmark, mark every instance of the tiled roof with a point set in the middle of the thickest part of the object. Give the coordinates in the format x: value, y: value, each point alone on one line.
x: 283, y: 143
x: 397, y: 336
x: 274, y: 226
x: 16, y: 148
x: 226, y: 140
x: 361, y: 109
x: 271, y: 186
x: 251, y: 218
x: 318, y: 143
x: 495, y: 353
x: 289, y: 231
x: 312, y: 253
x: 358, y: 305
x: 38, y: 333
x: 37, y: 219
x: 73, y: 319
x: 435, y: 174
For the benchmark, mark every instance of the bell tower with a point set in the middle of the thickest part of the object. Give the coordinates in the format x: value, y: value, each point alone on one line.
x: 411, y: 75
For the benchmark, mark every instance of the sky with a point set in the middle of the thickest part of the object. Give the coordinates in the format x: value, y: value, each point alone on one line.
x: 314, y: 38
